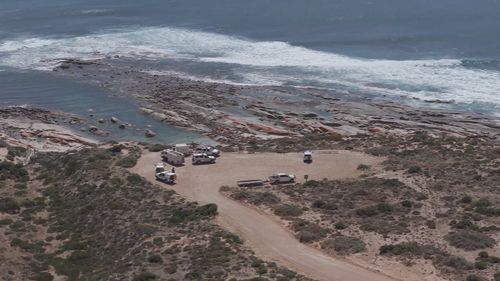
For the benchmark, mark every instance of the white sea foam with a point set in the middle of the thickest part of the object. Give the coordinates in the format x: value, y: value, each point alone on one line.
x: 269, y: 63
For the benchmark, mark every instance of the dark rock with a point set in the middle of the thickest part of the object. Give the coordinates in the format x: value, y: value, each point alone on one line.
x: 309, y: 114
x: 149, y: 133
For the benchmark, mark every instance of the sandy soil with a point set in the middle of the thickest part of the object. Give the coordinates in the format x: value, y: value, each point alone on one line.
x: 263, y: 233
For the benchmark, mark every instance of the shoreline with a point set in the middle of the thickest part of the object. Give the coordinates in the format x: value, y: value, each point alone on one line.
x: 237, y: 114
x: 258, y: 118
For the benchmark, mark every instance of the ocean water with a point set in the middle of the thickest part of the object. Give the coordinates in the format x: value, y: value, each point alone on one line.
x: 61, y: 93
x: 446, y: 50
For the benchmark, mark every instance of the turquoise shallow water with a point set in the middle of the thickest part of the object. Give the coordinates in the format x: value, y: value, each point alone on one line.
x: 60, y: 93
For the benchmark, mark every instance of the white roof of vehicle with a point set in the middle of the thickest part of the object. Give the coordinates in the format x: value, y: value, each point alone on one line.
x: 307, y: 152
x: 199, y: 154
x: 159, y: 165
x: 165, y: 174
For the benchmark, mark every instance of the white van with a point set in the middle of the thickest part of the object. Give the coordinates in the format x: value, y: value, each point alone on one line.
x: 172, y: 157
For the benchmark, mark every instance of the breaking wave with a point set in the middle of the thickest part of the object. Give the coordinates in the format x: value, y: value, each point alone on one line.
x: 270, y: 62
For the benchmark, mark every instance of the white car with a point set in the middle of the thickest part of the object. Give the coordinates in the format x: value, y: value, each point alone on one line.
x: 281, y: 178
x: 208, y: 150
x: 308, y: 158
x: 202, y: 158
x: 166, y: 177
x: 159, y: 167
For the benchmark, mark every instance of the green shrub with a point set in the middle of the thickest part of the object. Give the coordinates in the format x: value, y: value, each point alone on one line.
x: 363, y: 167
x: 134, y: 179
x: 308, y: 231
x: 466, y: 200
x: 374, y: 210
x: 345, y: 245
x: 43, y: 276
x: 128, y: 161
x: 13, y: 171
x: 14, y: 151
x: 181, y: 215
x: 144, y: 276
x: 430, y: 224
x: 155, y: 259
x: 5, y: 222
x: 157, y: 147
x: 414, y: 170
x: 470, y: 240
x: 288, y: 210
x: 474, y: 278
x: 9, y: 205
x: 480, y: 265
x: 116, y: 148
x: 483, y: 254
x: 406, y: 203
x: 312, y: 184
x: 454, y: 262
x: 340, y: 225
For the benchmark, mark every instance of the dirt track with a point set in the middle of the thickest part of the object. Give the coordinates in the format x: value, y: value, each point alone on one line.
x: 263, y: 233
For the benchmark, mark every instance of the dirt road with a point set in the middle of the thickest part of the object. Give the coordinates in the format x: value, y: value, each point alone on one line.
x: 263, y: 233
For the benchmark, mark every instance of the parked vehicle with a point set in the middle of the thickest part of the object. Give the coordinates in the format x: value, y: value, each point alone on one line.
x: 308, y: 156
x: 159, y: 167
x: 166, y: 177
x: 172, y: 157
x: 281, y: 178
x: 208, y: 150
x: 202, y: 158
x: 182, y: 148
x: 248, y: 183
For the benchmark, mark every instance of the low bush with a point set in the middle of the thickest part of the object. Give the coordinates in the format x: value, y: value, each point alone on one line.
x: 9, y: 205
x: 470, y: 240
x: 5, y: 222
x: 340, y: 225
x: 345, y: 245
x: 363, y: 167
x: 13, y: 171
x: 473, y: 277
x: 144, y: 276
x: 308, y: 231
x: 264, y: 198
x: 414, y: 170
x: 134, y: 179
x: 186, y: 215
x: 155, y: 259
x: 157, y: 147
x: 128, y: 161
x: 312, y: 184
x: 374, y: 210
x: 288, y: 210
x: 480, y: 265
x: 43, y: 276
x: 414, y: 249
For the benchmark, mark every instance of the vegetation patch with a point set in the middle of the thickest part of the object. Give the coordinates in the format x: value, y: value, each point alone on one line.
x: 344, y: 245
x: 470, y: 240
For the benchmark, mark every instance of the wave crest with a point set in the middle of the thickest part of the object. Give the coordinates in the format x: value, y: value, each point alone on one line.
x: 270, y: 62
